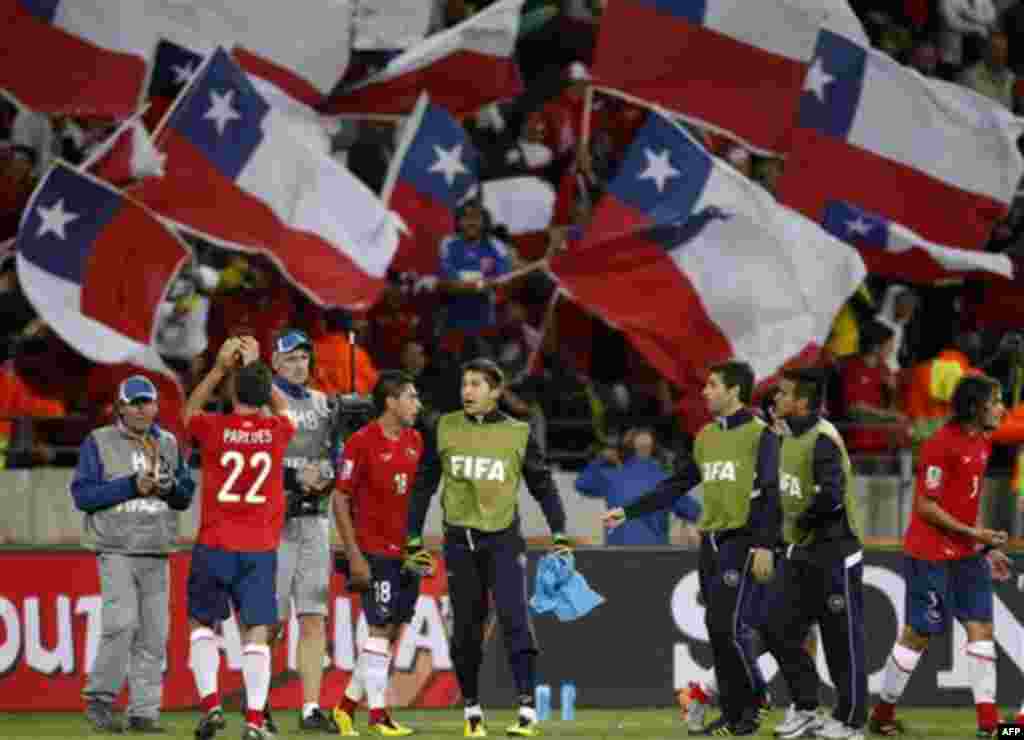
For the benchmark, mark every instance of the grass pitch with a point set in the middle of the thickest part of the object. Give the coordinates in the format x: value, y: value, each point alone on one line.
x: 653, y: 724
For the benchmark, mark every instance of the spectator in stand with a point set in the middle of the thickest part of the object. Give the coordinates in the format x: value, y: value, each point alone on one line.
x: 392, y: 325
x: 869, y: 392
x: 898, y: 307
x: 565, y: 112
x: 334, y: 352
x: 531, y: 153
x: 470, y: 259
x: 620, y: 474
x: 181, y: 327
x: 991, y: 76
x: 960, y: 19
x: 932, y: 383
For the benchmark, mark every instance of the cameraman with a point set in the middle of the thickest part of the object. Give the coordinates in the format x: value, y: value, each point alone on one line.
x: 304, y: 558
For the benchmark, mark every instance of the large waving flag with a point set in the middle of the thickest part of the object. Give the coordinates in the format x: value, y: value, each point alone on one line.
x: 730, y: 65
x: 74, y: 57
x: 696, y: 264
x: 435, y: 168
x: 463, y: 68
x: 249, y: 176
x: 896, y: 252
x: 934, y: 157
x: 95, y: 264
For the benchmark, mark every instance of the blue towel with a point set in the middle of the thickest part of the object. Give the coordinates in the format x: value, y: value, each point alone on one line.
x: 560, y: 588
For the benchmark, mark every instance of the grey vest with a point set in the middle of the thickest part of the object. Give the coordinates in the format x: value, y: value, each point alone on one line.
x: 311, y: 443
x: 139, y: 525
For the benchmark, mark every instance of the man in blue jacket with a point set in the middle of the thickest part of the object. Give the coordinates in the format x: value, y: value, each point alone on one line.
x: 131, y: 483
x: 624, y: 472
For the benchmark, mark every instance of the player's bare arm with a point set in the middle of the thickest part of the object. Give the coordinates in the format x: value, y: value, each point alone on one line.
x: 359, y: 567
x: 227, y: 359
x: 278, y: 402
x: 931, y: 512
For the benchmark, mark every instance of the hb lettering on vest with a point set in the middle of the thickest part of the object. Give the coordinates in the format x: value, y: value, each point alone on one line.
x: 720, y: 470
x: 478, y: 468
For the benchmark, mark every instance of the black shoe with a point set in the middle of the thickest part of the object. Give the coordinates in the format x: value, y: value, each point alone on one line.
x: 712, y: 728
x: 210, y: 723
x: 268, y: 720
x: 317, y: 721
x: 145, y: 725
x: 101, y: 715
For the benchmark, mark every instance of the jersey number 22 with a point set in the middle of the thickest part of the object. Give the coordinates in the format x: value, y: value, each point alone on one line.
x: 237, y: 462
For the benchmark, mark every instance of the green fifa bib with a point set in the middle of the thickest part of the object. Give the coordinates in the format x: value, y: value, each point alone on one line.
x: 797, y: 487
x: 482, y: 466
x: 728, y: 462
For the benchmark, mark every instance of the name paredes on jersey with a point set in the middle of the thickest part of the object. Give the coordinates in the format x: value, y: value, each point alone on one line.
x: 720, y: 470
x: 248, y: 436
x: 478, y: 468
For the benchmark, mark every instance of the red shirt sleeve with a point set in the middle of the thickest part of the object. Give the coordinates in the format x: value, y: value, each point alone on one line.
x: 200, y: 426
x: 932, y: 471
x: 860, y: 385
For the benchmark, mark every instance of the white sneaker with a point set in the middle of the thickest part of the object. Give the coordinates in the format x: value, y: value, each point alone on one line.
x: 835, y: 730
x: 799, y: 723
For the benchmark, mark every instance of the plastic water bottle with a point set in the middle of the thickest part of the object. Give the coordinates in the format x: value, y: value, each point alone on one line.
x: 542, y: 701
x: 568, y: 701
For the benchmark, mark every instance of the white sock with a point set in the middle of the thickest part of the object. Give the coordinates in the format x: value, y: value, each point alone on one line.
x: 528, y: 713
x: 898, y: 670
x: 473, y: 711
x: 374, y: 661
x: 256, y: 675
x: 981, y: 670
x: 308, y: 708
x: 204, y: 660
x: 356, y: 688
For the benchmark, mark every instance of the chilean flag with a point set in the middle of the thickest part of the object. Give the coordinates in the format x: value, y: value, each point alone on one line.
x: 733, y: 66
x: 434, y: 169
x: 463, y: 68
x: 73, y: 57
x: 934, y: 157
x: 249, y: 176
x: 95, y: 264
x: 697, y: 264
x: 172, y: 69
x: 896, y: 252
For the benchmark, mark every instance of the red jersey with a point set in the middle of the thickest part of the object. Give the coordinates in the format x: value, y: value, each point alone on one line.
x: 377, y: 474
x: 951, y: 470
x: 243, y: 479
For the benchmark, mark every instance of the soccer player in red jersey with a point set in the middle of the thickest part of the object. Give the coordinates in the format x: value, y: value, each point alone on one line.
x: 234, y: 561
x: 946, y: 552
x: 377, y: 470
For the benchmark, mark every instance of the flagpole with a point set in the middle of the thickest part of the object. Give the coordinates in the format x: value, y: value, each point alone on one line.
x: 545, y: 325
x: 588, y: 108
x: 518, y: 273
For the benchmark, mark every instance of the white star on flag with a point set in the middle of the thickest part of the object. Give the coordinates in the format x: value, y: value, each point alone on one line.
x: 449, y: 163
x: 221, y: 112
x: 54, y: 219
x: 859, y: 226
x: 183, y: 73
x: 817, y: 78
x: 659, y: 168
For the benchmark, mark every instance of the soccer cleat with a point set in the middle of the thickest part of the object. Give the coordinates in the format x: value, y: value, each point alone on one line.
x: 835, y: 730
x: 145, y: 726
x: 387, y: 727
x: 475, y: 727
x: 987, y: 734
x: 740, y: 728
x: 764, y: 706
x: 210, y: 723
x: 801, y: 723
x: 317, y: 721
x: 885, y: 727
x: 268, y: 720
x: 101, y: 715
x: 713, y: 728
x: 252, y: 732
x: 524, y: 727
x: 344, y: 721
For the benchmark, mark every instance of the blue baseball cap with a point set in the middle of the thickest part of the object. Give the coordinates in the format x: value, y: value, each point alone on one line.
x: 135, y: 388
x: 292, y: 340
